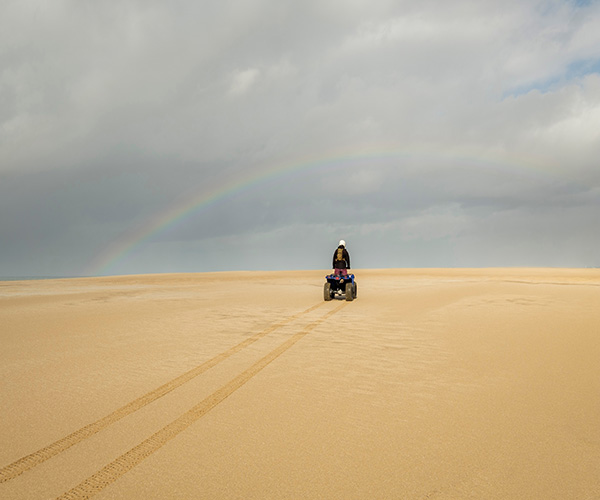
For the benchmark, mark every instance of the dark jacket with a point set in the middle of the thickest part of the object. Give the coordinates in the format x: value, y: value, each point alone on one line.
x: 344, y: 262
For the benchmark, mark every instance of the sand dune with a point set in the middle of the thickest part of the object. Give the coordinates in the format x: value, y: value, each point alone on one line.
x: 433, y: 384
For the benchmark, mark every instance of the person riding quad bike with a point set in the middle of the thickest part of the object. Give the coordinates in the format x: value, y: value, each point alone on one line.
x: 340, y: 282
x: 341, y: 260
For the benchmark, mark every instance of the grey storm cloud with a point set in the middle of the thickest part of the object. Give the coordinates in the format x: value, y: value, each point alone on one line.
x: 460, y: 133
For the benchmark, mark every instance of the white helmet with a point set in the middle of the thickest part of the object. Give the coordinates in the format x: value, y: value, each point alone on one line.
x: 342, y: 243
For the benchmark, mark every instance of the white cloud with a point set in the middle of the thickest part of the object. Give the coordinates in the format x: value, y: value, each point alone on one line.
x: 243, y: 80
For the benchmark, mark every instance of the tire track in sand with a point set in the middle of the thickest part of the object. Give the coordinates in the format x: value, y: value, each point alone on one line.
x: 120, y: 466
x: 32, y: 460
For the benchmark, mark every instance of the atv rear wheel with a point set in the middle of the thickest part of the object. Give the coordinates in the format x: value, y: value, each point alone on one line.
x: 349, y: 291
x: 327, y: 291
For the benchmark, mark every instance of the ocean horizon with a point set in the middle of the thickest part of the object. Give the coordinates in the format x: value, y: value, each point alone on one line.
x: 30, y: 278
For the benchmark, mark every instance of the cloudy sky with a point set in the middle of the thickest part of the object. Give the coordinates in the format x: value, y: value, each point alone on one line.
x: 151, y: 136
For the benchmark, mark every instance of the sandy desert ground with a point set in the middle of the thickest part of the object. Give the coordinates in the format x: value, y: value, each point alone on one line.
x: 433, y: 384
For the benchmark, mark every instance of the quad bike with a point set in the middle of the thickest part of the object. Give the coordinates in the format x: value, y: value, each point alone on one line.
x: 336, y: 286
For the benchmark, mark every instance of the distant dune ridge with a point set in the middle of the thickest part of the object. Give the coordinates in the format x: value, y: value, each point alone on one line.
x: 434, y: 383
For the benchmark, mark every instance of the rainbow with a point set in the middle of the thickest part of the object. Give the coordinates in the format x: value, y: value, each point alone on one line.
x: 120, y: 248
